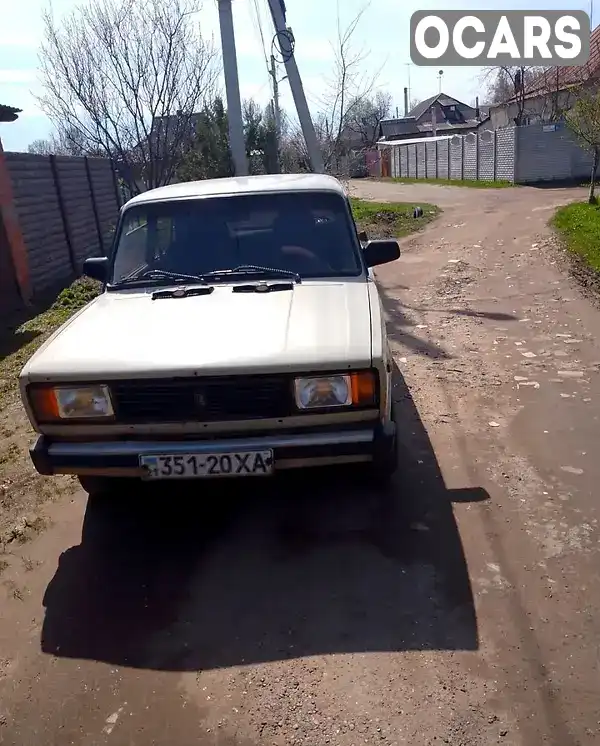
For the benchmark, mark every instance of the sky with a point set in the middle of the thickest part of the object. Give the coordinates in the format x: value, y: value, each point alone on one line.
x: 383, y: 36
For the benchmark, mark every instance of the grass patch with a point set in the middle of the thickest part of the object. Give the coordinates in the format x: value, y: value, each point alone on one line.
x: 469, y: 183
x: 390, y: 219
x: 18, y: 344
x: 579, y: 226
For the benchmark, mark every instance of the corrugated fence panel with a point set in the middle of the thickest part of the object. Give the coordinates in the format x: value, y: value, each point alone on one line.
x: 455, y: 157
x: 10, y: 298
x: 470, y: 156
x: 505, y: 154
x: 40, y: 218
x: 443, y: 159
x: 105, y: 195
x: 78, y: 206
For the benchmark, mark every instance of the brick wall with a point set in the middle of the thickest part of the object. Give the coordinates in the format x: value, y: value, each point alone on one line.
x: 66, y: 208
x: 455, y: 154
x: 505, y: 154
x: 550, y: 153
x: 443, y: 156
x: 470, y: 157
x: 421, y: 160
x: 487, y: 156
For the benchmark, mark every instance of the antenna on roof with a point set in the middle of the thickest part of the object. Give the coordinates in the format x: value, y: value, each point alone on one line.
x: 440, y: 75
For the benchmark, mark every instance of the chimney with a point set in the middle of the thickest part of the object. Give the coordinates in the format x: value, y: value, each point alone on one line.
x: 433, y: 121
x: 406, y: 102
x: 477, y: 107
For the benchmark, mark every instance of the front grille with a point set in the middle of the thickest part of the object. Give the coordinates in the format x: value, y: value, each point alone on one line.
x: 203, y: 399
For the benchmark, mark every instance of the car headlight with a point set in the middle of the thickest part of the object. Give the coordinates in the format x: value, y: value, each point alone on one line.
x: 343, y: 390
x: 56, y: 403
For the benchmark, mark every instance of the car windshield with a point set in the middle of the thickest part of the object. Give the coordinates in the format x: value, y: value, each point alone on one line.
x: 308, y: 234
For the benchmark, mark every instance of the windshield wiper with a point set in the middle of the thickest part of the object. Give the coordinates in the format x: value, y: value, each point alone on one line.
x: 253, y: 269
x: 160, y: 274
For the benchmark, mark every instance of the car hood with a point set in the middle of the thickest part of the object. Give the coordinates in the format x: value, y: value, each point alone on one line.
x: 316, y: 326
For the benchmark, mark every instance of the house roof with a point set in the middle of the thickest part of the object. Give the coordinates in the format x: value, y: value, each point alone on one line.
x: 9, y: 113
x: 397, y: 127
x: 442, y: 99
x: 451, y: 126
x: 264, y: 184
x: 561, y: 78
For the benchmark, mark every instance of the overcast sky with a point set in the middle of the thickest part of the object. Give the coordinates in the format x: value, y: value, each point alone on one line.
x: 384, y: 33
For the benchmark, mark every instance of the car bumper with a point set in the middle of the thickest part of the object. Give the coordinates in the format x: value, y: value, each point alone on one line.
x: 290, y: 451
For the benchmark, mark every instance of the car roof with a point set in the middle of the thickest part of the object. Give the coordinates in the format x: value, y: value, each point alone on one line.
x: 238, y: 185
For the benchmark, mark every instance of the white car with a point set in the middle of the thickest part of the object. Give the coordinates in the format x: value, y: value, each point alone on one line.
x: 239, y: 333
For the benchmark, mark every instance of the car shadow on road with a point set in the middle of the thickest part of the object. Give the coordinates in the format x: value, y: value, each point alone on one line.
x: 209, y: 576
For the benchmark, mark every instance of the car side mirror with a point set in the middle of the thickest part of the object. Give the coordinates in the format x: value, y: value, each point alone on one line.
x: 96, y: 267
x: 381, y: 251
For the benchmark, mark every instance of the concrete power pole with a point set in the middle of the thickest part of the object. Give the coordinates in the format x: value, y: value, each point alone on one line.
x: 276, y: 111
x: 232, y: 87
x: 314, y: 152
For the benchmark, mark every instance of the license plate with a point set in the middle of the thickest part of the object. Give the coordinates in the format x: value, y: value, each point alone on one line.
x: 194, y: 466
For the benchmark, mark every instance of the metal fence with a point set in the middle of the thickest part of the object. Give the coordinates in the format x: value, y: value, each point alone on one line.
x: 65, y: 207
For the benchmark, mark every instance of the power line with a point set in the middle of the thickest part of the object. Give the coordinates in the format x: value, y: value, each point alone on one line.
x: 260, y: 31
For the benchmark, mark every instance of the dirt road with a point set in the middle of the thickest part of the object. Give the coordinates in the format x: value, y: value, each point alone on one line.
x: 296, y: 617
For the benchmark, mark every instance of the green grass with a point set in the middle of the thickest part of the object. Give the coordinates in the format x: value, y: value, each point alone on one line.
x: 469, y: 183
x: 18, y: 344
x: 579, y: 226
x: 390, y: 219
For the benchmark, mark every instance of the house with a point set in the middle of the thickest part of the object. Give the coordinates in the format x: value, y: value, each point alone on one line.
x: 438, y: 115
x: 547, y: 95
x: 9, y: 113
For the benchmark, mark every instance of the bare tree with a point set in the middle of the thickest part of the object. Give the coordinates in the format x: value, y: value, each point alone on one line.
x: 347, y: 89
x: 128, y: 76
x: 510, y: 84
x: 66, y: 141
x: 366, y: 116
x: 584, y: 121
x: 413, y: 103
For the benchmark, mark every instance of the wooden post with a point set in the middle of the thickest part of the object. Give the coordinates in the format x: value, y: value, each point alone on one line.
x: 94, y: 205
x: 12, y: 227
x: 63, y: 213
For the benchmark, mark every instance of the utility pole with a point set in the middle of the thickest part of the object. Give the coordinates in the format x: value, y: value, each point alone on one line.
x: 232, y: 88
x: 276, y: 111
x: 314, y: 151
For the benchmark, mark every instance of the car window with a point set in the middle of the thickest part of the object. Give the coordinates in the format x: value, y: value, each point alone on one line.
x: 310, y: 233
